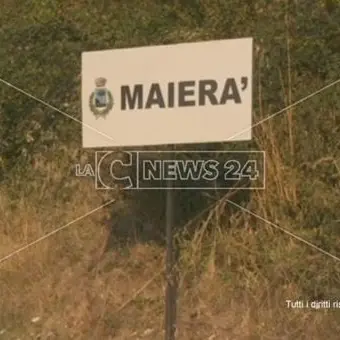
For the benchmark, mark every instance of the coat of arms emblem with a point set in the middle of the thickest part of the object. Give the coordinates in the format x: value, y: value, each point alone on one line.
x: 101, y: 100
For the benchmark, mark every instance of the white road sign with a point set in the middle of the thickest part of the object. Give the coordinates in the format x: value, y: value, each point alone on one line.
x: 169, y: 94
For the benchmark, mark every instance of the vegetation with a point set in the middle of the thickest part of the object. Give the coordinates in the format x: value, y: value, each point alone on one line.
x: 236, y: 273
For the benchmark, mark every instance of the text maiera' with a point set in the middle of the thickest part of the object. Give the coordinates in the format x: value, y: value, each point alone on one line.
x: 182, y: 94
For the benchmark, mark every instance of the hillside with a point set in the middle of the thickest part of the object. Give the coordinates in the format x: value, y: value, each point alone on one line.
x: 66, y: 271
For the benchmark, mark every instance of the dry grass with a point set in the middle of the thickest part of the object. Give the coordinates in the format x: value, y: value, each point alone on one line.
x: 234, y: 283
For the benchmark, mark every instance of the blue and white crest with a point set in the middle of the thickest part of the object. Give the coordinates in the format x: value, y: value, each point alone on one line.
x: 101, y: 100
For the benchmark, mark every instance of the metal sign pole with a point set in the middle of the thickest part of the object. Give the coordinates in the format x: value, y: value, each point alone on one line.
x: 171, y: 289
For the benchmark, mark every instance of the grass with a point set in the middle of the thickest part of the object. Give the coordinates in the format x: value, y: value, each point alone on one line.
x: 234, y: 283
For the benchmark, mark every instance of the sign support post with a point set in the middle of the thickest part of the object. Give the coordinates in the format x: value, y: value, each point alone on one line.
x: 171, y: 262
